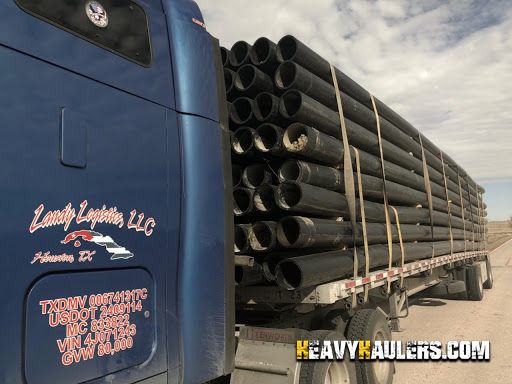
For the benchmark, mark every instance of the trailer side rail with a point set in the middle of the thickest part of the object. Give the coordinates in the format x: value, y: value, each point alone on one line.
x: 332, y: 292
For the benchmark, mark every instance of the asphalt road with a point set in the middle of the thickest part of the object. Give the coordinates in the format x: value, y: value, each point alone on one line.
x: 445, y: 320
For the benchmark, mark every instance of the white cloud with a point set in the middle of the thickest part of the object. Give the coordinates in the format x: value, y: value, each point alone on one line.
x: 446, y: 66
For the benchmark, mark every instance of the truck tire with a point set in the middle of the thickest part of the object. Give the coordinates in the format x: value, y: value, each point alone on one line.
x: 446, y: 288
x: 475, y: 284
x: 490, y: 280
x: 371, y: 324
x: 332, y: 372
x: 461, y: 273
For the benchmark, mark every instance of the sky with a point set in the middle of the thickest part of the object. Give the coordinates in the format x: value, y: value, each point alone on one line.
x: 446, y: 66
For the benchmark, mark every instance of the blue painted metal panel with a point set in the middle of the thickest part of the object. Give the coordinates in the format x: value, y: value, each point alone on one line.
x: 99, y: 328
x: 28, y: 34
x: 73, y: 139
x: 192, y: 58
x: 132, y: 168
x: 202, y: 272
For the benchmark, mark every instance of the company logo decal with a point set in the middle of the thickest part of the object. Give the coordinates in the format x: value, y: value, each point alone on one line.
x: 117, y: 251
x: 96, y: 14
x: 92, y: 216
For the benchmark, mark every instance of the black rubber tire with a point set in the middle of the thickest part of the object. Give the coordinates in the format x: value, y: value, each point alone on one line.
x: 475, y: 284
x: 446, y: 289
x: 490, y: 280
x: 315, y: 372
x: 364, y: 325
x: 461, y: 273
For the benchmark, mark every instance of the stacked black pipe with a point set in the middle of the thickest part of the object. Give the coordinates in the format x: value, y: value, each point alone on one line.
x: 291, y: 210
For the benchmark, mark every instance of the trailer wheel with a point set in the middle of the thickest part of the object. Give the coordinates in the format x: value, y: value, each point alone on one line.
x: 371, y: 324
x: 490, y: 280
x: 328, y: 372
x: 475, y: 284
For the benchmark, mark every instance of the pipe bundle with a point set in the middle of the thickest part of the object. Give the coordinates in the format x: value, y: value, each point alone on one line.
x: 291, y: 207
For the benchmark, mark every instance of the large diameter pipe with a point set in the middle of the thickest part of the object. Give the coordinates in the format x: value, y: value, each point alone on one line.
x: 291, y: 49
x: 262, y: 236
x: 305, y: 198
x: 268, y: 138
x: 241, y: 242
x: 224, y: 54
x: 243, y: 201
x: 331, y: 178
x: 245, y: 275
x: 291, y: 76
x: 229, y: 80
x: 312, y: 144
x: 256, y: 175
x: 315, y: 201
x: 251, y: 81
x: 263, y: 55
x: 264, y: 199
x: 243, y: 141
x: 239, y: 54
x: 304, y: 232
x: 301, y: 108
x: 266, y: 109
x: 241, y: 111
x: 309, y: 143
x: 236, y: 173
x: 307, y: 271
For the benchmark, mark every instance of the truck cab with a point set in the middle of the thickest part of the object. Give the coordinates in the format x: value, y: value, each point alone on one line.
x: 116, y: 219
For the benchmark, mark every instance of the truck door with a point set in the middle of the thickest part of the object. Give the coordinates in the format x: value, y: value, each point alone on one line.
x: 89, y: 192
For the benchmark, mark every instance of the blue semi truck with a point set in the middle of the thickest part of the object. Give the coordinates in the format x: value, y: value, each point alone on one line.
x: 117, y: 224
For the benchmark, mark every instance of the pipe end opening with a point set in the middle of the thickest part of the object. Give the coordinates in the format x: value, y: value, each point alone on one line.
x: 286, y: 75
x: 295, y: 138
x: 288, y: 195
x: 243, y: 140
x: 288, y: 231
x: 288, y: 275
x: 245, y: 77
x: 260, y: 51
x: 286, y: 48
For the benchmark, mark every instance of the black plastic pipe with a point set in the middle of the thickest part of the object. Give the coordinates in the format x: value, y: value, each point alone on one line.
x: 251, y: 81
x: 241, y: 111
x: 264, y: 199
x: 243, y: 201
x: 236, y: 173
x: 330, y: 178
x: 262, y: 236
x: 224, y: 54
x: 268, y: 138
x: 266, y: 109
x: 304, y: 232
x: 291, y: 49
x: 263, y: 55
x: 306, y: 271
x: 310, y: 143
x: 229, y: 80
x: 315, y: 201
x: 239, y: 54
x: 303, y: 109
x: 243, y: 141
x: 256, y: 175
x: 241, y: 242
x: 245, y: 275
